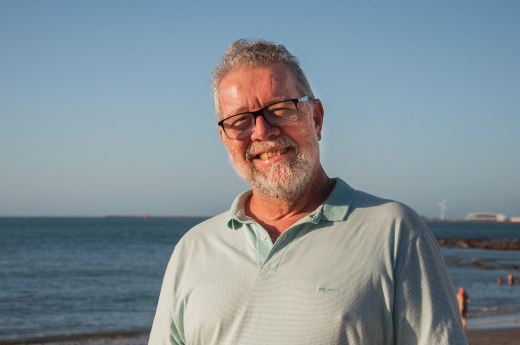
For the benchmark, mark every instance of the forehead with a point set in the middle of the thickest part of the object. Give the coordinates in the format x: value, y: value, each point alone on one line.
x: 250, y: 88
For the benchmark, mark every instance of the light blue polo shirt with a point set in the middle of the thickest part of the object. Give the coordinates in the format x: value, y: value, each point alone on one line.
x: 357, y: 270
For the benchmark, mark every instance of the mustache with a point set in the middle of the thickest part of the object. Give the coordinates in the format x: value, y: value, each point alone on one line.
x: 264, y: 145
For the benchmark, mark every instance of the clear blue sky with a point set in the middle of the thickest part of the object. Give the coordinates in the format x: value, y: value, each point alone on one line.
x: 106, y: 108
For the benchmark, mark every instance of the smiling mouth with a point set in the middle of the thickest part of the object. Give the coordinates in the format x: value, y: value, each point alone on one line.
x: 266, y: 155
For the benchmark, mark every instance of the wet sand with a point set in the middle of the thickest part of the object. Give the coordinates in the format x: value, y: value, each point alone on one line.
x: 509, y: 336
x: 105, y: 338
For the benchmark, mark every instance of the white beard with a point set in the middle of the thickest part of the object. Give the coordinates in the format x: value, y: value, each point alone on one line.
x: 283, y: 180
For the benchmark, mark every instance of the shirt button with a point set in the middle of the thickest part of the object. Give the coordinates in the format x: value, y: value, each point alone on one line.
x: 264, y: 237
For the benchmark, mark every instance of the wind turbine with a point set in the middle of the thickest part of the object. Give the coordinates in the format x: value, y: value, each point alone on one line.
x: 443, y: 207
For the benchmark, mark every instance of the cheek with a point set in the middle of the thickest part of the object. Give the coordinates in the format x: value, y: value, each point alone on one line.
x: 301, y: 133
x: 236, y: 149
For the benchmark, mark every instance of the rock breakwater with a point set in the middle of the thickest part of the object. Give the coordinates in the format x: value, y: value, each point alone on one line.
x: 479, y: 243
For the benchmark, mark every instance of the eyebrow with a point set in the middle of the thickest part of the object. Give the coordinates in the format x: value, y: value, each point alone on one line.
x: 244, y: 110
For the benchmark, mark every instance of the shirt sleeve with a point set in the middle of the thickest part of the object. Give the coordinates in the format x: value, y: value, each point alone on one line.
x: 425, y: 308
x: 165, y: 328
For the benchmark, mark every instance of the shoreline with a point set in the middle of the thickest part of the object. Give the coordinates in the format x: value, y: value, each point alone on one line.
x: 113, y: 337
x: 491, y: 330
x: 504, y: 336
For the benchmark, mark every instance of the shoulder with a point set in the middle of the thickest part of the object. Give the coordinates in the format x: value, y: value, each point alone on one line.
x: 386, y: 207
x: 391, y: 223
x: 194, y: 243
x: 204, y: 230
x: 375, y: 210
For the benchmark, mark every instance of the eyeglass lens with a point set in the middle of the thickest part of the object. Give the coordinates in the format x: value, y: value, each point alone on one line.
x: 277, y: 115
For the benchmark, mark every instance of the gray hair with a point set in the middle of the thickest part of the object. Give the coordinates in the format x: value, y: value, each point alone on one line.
x: 256, y: 53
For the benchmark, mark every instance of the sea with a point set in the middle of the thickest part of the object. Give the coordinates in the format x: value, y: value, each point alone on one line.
x: 74, y: 277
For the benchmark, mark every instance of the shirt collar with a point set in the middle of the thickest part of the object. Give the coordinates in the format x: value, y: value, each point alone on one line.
x: 237, y: 215
x: 334, y: 209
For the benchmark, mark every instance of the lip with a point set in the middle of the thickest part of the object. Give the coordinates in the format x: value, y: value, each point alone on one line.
x: 274, y: 148
x: 284, y: 148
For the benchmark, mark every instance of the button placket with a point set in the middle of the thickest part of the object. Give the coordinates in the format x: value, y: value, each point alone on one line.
x: 279, y: 247
x: 263, y: 244
x: 274, y: 256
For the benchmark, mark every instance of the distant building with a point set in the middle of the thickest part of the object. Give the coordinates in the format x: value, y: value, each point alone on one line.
x: 486, y: 217
x: 514, y: 219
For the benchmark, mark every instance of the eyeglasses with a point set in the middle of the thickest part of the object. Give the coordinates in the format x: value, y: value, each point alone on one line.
x: 276, y: 115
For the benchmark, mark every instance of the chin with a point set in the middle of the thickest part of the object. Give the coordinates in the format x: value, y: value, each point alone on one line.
x: 285, y: 180
x: 281, y: 181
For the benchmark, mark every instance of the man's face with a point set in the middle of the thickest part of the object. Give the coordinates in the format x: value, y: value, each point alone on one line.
x: 278, y: 162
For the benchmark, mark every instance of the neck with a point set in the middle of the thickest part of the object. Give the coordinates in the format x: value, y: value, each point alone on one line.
x: 277, y: 215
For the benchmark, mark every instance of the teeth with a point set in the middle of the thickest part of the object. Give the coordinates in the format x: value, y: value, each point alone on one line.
x: 270, y: 154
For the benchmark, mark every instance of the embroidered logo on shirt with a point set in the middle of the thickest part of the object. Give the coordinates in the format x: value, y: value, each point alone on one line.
x: 326, y: 290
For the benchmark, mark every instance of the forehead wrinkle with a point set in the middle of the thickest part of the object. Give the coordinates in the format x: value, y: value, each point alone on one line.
x: 247, y: 99
x: 251, y: 99
x: 276, y: 91
x: 253, y: 93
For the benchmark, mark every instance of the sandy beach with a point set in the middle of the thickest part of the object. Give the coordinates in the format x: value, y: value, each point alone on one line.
x: 509, y: 336
x: 105, y: 338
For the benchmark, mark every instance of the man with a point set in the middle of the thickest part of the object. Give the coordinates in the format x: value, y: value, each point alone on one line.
x: 301, y: 258
x: 463, y: 300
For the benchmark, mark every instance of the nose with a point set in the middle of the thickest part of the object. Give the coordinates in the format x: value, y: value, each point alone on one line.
x: 263, y: 130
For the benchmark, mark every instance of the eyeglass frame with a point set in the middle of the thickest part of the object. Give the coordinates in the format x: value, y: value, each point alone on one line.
x: 260, y: 112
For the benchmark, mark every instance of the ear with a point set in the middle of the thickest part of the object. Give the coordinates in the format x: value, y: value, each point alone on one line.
x: 317, y: 116
x: 222, y: 135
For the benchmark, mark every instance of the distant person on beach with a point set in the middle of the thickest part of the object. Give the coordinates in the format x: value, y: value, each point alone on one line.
x: 510, y: 278
x: 463, y: 300
x: 300, y: 258
x: 500, y: 281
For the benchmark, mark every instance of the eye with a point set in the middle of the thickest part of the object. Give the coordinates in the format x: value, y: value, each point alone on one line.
x: 238, y: 122
x: 282, y: 109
